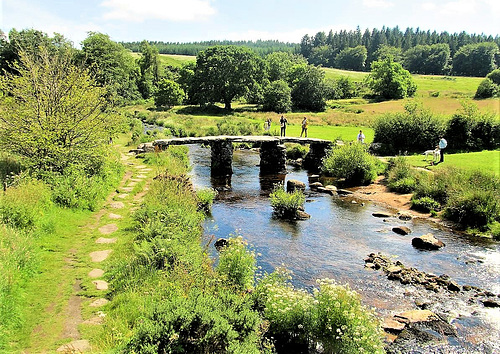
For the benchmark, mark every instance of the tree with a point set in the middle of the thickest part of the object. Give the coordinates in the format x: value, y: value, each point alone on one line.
x: 475, y: 59
x: 308, y: 88
x: 352, y: 58
x: 224, y: 73
x: 169, y: 94
x: 54, y: 114
x: 389, y: 80
x: 279, y: 64
x: 425, y: 59
x: 277, y: 97
x: 111, y: 64
x: 150, y: 69
x: 486, y: 89
x: 385, y: 51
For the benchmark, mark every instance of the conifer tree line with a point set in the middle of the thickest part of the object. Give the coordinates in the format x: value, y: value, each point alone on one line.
x: 421, y: 52
x: 261, y: 47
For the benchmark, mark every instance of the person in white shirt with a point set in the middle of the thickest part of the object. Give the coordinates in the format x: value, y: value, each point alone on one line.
x: 361, y: 137
x: 442, y: 145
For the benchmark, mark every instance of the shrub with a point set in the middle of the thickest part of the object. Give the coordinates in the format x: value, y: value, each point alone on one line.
x: 198, y: 323
x: 237, y: 264
x: 470, y: 130
x: 10, y: 166
x: 206, y: 198
x: 414, y: 130
x: 169, y: 94
x: 352, y: 162
x: 22, y: 205
x: 400, y: 176
x: 474, y: 208
x: 342, y: 323
x: 486, y: 89
x: 425, y: 204
x: 286, y: 205
x: 296, y: 151
x: 494, y: 76
x: 389, y: 80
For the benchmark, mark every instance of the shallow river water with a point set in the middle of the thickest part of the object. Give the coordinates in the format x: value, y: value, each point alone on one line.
x: 337, y: 238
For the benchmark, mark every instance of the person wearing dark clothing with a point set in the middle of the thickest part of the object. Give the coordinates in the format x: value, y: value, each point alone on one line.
x: 283, y: 123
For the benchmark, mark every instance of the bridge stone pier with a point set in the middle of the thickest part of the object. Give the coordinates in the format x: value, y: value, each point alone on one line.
x: 272, y: 151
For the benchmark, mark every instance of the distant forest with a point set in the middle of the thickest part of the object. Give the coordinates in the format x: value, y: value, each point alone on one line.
x: 260, y: 47
x: 420, y: 52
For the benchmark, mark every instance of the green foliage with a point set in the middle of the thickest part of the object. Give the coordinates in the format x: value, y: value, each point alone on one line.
x: 389, y: 80
x: 22, y: 205
x: 470, y: 130
x: 150, y: 70
x: 237, y: 265
x: 198, y: 323
x: 286, y: 205
x: 279, y: 65
x: 277, y: 97
x: 10, y: 166
x: 229, y: 126
x: 343, y: 324
x: 168, y: 94
x: 308, y: 88
x: 414, y: 130
x: 475, y: 59
x: 54, y: 115
x: 486, y: 89
x: 296, y: 151
x: 18, y: 263
x: 401, y: 177
x: 224, y: 73
x: 206, y: 198
x: 351, y: 162
x: 352, y: 58
x: 425, y: 204
x: 112, y: 65
x: 494, y: 76
x: 427, y: 59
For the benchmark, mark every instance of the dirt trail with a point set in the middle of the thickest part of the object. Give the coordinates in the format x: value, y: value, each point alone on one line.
x: 114, y: 211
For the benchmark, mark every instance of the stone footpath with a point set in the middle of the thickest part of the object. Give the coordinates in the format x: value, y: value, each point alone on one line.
x: 104, y: 248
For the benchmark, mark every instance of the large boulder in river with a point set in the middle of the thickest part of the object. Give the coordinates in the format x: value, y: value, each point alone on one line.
x: 427, y: 242
x: 293, y: 185
x: 402, y: 230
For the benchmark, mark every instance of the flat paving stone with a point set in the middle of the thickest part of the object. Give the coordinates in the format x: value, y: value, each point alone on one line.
x: 141, y: 166
x: 127, y: 189
x: 100, y: 284
x: 142, y: 176
x: 123, y: 195
x: 99, y: 256
x: 106, y: 240
x: 99, y: 302
x: 135, y: 180
x: 108, y: 229
x: 76, y: 346
x: 94, y: 321
x: 96, y: 273
x: 116, y: 205
x: 146, y: 170
x: 114, y: 216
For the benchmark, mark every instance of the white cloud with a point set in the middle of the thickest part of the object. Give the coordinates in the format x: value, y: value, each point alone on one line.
x: 384, y: 4
x: 173, y: 10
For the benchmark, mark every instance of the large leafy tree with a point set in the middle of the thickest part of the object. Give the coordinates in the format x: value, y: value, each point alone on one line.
x: 150, y: 69
x: 53, y: 113
x: 277, y: 97
x: 111, y: 64
x: 224, y: 73
x: 280, y: 64
x: 352, y: 58
x: 168, y: 94
x: 475, y: 59
x: 308, y: 88
x: 389, y: 80
x: 427, y: 59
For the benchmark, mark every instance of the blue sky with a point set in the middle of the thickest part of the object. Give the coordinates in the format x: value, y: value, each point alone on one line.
x: 200, y: 20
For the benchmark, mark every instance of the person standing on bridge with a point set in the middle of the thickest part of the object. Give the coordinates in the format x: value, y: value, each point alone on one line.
x: 304, y: 127
x: 283, y: 123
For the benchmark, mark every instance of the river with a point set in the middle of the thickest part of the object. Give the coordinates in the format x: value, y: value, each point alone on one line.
x: 337, y: 238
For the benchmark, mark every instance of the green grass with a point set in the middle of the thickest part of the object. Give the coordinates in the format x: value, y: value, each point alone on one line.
x: 484, y: 161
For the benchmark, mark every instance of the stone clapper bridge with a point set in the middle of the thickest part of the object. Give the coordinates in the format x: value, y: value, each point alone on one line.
x: 272, y: 151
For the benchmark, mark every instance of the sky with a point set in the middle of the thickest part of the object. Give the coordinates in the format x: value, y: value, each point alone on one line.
x: 202, y: 20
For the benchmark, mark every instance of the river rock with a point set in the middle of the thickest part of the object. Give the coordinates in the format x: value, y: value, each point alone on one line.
x: 293, y: 185
x: 404, y: 216
x: 315, y: 185
x: 391, y: 325
x: 427, y: 242
x: 220, y: 244
x: 343, y: 192
x: 331, y: 188
x: 302, y: 215
x: 414, y: 316
x: 382, y: 214
x: 402, y: 230
x: 490, y: 302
